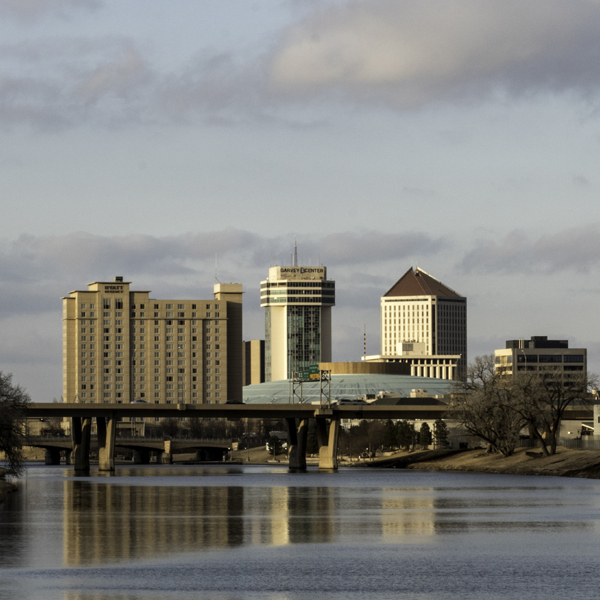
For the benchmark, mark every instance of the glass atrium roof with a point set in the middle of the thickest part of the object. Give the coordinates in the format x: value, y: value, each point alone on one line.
x: 345, y: 386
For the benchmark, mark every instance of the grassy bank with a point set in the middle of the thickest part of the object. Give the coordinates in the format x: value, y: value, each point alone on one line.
x: 525, y: 461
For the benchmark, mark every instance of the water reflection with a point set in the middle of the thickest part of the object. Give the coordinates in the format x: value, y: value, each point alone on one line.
x: 105, y: 522
x: 161, y: 533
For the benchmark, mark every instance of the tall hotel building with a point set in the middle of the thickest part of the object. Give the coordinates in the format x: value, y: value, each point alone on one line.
x: 121, y: 345
x: 421, y: 311
x: 297, y: 303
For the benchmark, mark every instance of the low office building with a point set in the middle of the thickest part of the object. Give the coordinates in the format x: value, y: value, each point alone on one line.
x: 414, y: 357
x: 539, y: 354
x: 120, y: 346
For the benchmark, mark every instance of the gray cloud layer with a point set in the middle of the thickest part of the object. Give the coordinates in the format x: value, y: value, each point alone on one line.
x: 410, y: 53
x: 576, y: 249
x: 36, y: 271
x: 28, y: 10
x: 401, y: 54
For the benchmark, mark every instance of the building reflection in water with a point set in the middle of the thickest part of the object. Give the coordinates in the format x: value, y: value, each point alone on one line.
x: 105, y: 522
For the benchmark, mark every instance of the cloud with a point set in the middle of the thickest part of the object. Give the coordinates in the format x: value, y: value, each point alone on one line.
x: 576, y: 249
x: 407, y: 54
x: 581, y: 181
x: 58, y: 83
x: 35, y: 271
x: 28, y: 10
x: 118, y: 77
x: 400, y: 54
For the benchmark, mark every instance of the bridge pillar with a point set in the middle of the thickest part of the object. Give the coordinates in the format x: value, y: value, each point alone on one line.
x: 106, y: 442
x: 52, y: 456
x: 297, y: 436
x: 328, y: 439
x: 141, y: 457
x: 81, y: 430
x: 167, y: 457
x: 68, y: 460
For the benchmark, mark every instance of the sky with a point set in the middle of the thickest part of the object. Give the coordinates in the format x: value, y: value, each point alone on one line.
x: 175, y: 142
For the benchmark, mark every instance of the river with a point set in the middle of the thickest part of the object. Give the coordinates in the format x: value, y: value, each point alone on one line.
x: 252, y: 532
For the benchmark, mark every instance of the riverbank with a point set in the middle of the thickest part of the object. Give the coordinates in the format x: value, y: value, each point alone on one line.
x: 525, y: 461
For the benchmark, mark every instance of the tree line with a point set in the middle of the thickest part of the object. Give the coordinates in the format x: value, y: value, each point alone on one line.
x: 498, y: 407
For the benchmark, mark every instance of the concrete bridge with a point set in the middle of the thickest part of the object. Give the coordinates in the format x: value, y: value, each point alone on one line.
x: 296, y: 417
x: 142, y: 448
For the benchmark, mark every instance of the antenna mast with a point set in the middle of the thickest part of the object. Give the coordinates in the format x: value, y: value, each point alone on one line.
x: 295, y: 253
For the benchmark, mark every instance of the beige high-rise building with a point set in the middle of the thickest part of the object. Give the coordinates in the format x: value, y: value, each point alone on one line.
x: 120, y: 345
x: 297, y: 303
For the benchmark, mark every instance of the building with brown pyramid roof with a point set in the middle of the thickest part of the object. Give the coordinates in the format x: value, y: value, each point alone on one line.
x: 421, y: 311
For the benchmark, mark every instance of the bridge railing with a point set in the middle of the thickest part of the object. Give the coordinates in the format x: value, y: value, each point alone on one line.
x: 141, y: 438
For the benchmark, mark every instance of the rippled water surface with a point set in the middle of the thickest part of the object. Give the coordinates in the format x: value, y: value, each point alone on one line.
x: 225, y: 533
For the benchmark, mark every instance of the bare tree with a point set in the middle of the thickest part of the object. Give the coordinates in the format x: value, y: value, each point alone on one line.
x: 13, y: 410
x: 485, y: 404
x: 196, y: 427
x: 544, y: 398
x: 169, y: 427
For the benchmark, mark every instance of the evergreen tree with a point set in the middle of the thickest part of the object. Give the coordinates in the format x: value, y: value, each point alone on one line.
x: 440, y: 433
x: 425, y: 435
x: 390, y: 435
x: 405, y: 434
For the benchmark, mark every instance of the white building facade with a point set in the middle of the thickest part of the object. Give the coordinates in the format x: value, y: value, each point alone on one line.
x: 297, y: 302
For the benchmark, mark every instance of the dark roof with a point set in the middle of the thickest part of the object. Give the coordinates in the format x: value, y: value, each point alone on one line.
x: 418, y: 283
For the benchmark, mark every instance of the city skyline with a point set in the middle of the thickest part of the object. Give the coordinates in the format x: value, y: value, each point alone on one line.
x: 176, y: 143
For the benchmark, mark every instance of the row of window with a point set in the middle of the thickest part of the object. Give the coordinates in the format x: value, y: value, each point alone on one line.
x: 549, y: 358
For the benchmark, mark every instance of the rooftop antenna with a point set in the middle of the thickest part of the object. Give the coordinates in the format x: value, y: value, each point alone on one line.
x: 216, y: 267
x: 295, y: 264
x: 365, y: 343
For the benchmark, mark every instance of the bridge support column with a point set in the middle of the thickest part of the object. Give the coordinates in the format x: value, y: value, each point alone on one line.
x: 81, y: 430
x: 52, y: 456
x: 167, y: 457
x: 141, y: 457
x: 328, y: 439
x: 106, y: 442
x: 297, y: 435
x: 68, y: 460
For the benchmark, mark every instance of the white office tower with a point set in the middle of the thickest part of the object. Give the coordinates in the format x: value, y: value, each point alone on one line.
x: 297, y: 303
